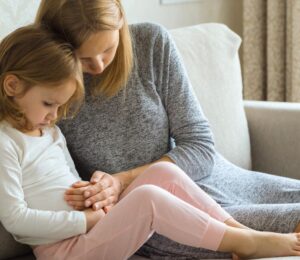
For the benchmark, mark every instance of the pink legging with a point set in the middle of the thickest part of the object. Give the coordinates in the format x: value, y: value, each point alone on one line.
x: 162, y: 199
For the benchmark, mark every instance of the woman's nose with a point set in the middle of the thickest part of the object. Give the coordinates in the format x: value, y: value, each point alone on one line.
x: 98, y: 65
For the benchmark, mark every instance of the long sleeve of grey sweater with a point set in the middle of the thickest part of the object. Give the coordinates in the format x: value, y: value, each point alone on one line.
x: 156, y: 114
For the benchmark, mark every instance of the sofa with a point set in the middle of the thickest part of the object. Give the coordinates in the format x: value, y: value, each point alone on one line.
x: 252, y: 134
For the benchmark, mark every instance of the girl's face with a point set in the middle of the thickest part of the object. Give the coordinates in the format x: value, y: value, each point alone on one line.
x: 98, y: 51
x: 41, y: 102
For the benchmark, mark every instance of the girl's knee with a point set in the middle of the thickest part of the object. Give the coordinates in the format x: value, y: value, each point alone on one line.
x: 166, y: 170
x: 147, y: 192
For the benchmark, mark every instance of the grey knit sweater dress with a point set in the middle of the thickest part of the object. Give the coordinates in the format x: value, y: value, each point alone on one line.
x: 157, y: 114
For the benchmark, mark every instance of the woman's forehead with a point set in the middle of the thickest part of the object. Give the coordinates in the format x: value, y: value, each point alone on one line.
x: 99, y: 42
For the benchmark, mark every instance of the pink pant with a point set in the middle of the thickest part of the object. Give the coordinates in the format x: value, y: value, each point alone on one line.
x: 162, y: 199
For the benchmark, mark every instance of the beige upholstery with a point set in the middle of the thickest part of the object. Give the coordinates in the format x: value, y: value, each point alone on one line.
x: 275, y: 137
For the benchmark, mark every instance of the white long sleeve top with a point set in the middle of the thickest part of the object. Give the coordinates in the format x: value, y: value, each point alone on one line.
x: 34, y: 174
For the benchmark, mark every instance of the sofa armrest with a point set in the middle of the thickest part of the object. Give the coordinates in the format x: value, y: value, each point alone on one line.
x: 275, y: 137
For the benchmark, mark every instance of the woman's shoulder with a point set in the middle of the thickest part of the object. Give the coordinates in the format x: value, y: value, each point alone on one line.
x: 148, y: 32
x: 147, y: 27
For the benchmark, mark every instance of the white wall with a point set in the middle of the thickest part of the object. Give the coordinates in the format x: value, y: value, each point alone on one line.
x: 178, y: 15
x: 15, y: 13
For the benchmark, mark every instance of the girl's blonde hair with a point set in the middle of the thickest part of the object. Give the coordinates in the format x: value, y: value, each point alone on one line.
x: 36, y: 57
x: 76, y: 21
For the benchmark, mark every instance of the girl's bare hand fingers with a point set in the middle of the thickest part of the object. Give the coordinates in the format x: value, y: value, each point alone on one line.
x: 76, y: 204
x: 76, y: 191
x: 79, y: 208
x: 80, y: 184
x: 74, y: 198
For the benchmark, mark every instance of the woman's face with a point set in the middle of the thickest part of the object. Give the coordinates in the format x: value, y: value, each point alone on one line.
x: 98, y: 51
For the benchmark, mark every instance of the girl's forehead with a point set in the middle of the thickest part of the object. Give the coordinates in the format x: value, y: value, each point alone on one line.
x: 58, y: 89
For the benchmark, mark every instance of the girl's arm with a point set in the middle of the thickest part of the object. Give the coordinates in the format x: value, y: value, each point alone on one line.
x: 31, y: 226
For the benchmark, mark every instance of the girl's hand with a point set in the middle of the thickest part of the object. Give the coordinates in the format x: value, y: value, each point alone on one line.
x: 92, y: 217
x: 103, y: 192
x: 235, y: 257
x: 74, y: 195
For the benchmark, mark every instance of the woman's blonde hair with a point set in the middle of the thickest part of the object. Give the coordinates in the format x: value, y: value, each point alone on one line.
x: 36, y: 57
x: 76, y: 21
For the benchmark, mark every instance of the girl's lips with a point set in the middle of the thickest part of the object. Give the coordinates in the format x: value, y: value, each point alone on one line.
x: 44, y: 124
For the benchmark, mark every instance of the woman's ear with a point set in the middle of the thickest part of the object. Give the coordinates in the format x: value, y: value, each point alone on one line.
x: 12, y: 85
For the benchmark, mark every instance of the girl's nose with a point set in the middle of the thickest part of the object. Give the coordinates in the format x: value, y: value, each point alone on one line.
x: 52, y: 115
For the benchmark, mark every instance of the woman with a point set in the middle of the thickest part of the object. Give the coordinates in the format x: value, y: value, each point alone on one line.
x: 139, y: 104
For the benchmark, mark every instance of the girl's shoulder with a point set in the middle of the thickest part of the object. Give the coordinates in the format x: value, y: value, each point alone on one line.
x: 7, y: 139
x: 5, y: 130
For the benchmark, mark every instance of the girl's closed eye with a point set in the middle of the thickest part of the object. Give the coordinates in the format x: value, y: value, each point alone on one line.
x: 47, y: 104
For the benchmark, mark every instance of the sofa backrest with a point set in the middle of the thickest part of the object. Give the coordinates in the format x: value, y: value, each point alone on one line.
x: 210, y: 55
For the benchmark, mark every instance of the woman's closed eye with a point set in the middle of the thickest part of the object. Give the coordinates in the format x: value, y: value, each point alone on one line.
x: 109, y: 49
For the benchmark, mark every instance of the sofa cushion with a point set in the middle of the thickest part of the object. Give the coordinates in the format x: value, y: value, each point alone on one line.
x: 210, y: 55
x: 9, y: 247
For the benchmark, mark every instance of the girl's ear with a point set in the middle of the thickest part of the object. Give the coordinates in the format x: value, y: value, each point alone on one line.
x: 12, y: 85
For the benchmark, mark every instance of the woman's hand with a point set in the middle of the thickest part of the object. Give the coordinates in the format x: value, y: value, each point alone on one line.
x: 103, y: 192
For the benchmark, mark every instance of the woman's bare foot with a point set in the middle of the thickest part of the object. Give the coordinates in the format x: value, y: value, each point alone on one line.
x: 251, y: 244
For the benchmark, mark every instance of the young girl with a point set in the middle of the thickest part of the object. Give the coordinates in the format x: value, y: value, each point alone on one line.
x: 40, y: 83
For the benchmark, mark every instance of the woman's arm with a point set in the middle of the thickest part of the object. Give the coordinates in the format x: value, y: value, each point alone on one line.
x: 127, y: 177
x: 193, y: 149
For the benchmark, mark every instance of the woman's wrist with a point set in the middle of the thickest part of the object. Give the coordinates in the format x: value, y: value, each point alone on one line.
x: 124, y: 178
x: 127, y: 177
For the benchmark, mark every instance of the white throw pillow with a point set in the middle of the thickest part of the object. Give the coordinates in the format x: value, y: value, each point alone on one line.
x: 210, y: 55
